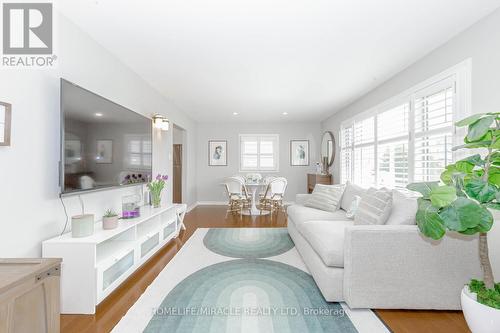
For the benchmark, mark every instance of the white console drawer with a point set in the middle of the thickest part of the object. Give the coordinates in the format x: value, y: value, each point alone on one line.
x: 113, y: 272
x: 149, y: 244
x: 169, y: 230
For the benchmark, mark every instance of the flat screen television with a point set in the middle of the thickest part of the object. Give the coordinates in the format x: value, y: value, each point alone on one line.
x: 103, y: 144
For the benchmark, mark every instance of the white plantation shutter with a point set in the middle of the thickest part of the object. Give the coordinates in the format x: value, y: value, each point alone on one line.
x: 346, y: 154
x: 392, y: 146
x: 364, y: 152
x: 393, y: 164
x: 249, y: 155
x: 433, y: 110
x: 393, y: 123
x: 364, y: 165
x: 259, y: 152
x: 409, y: 141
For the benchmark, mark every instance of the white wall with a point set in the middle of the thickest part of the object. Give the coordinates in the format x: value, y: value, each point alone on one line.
x: 29, y: 203
x: 210, y: 177
x: 481, y: 43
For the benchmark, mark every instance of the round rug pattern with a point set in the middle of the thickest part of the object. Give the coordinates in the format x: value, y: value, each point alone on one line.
x: 248, y: 242
x: 248, y: 295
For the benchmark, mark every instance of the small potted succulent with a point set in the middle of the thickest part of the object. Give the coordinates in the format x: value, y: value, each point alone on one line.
x: 465, y: 202
x: 109, y: 220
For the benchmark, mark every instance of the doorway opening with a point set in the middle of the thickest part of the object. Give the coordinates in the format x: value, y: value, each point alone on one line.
x: 178, y: 156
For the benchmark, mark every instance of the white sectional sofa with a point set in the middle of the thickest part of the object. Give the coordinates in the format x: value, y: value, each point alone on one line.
x: 388, y: 266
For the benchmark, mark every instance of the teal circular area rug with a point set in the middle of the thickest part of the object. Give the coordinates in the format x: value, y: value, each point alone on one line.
x: 248, y: 242
x: 248, y: 295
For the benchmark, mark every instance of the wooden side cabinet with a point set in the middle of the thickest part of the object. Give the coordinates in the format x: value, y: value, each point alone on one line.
x: 313, y: 179
x: 29, y: 295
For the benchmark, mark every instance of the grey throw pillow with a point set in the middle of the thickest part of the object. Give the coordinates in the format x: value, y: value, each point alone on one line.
x: 374, y: 207
x: 325, y: 197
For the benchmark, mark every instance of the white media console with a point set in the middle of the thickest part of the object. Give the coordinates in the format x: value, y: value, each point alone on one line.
x: 92, y: 267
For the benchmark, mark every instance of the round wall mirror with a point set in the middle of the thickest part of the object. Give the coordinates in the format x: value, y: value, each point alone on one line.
x: 328, y: 148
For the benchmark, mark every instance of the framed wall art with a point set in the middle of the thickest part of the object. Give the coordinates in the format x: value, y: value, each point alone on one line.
x: 5, y: 123
x: 217, y: 153
x: 299, y: 152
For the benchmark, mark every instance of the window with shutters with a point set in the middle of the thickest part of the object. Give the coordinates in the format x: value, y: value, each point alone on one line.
x: 392, y: 146
x: 433, y: 130
x: 259, y: 152
x: 364, y: 152
x: 407, y: 139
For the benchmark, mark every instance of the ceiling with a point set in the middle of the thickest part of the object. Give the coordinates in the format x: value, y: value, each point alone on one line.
x: 261, y: 58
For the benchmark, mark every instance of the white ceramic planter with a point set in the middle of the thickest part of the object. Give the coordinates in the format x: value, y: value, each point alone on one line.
x: 82, y: 225
x: 109, y: 222
x: 479, y: 317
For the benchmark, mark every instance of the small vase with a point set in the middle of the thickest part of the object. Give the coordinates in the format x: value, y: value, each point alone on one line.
x: 156, y: 199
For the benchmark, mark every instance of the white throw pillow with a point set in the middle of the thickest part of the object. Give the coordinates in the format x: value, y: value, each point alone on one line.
x: 350, y: 192
x: 404, y: 208
x: 351, y: 212
x: 325, y: 197
x: 374, y: 207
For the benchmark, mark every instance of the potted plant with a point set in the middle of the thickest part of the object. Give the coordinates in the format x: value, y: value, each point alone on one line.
x: 462, y: 202
x: 109, y: 220
x: 155, y: 187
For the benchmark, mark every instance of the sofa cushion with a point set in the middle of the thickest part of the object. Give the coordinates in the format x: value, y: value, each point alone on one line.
x: 299, y: 214
x: 404, y: 208
x: 325, y: 197
x: 374, y: 207
x: 350, y: 192
x: 327, y: 239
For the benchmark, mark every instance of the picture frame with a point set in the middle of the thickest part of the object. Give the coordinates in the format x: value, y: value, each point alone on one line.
x: 5, y: 123
x: 73, y: 151
x: 217, y: 153
x: 104, y: 152
x: 299, y: 152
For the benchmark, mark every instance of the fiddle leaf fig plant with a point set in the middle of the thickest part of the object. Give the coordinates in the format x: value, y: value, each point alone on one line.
x: 469, y: 188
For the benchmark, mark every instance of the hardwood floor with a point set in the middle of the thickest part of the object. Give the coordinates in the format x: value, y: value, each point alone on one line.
x: 111, y: 310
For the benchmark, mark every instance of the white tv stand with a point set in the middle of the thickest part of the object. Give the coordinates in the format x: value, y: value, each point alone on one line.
x: 92, y: 267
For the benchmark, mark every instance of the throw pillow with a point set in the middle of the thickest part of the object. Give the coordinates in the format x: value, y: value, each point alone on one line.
x: 374, y: 207
x: 325, y: 197
x: 351, y: 190
x: 404, y: 208
x: 351, y: 212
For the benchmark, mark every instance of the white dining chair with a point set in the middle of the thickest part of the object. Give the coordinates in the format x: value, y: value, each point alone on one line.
x: 272, y: 198
x: 265, y: 181
x: 238, y: 197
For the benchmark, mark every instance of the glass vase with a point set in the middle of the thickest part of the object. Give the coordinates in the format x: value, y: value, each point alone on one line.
x: 156, y: 199
x: 130, y: 206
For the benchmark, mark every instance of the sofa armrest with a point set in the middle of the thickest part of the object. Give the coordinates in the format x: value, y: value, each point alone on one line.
x: 395, y: 267
x: 300, y: 199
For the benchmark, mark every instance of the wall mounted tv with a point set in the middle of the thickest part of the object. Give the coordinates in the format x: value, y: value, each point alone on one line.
x: 103, y: 144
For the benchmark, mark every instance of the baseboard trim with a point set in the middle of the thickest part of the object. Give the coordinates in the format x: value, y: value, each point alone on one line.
x: 221, y: 203
x: 191, y: 207
x: 211, y: 203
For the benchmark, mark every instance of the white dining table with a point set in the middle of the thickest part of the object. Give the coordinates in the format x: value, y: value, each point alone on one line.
x: 253, y: 188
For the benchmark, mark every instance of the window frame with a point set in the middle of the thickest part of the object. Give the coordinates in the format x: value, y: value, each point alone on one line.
x: 275, y: 154
x: 459, y: 74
